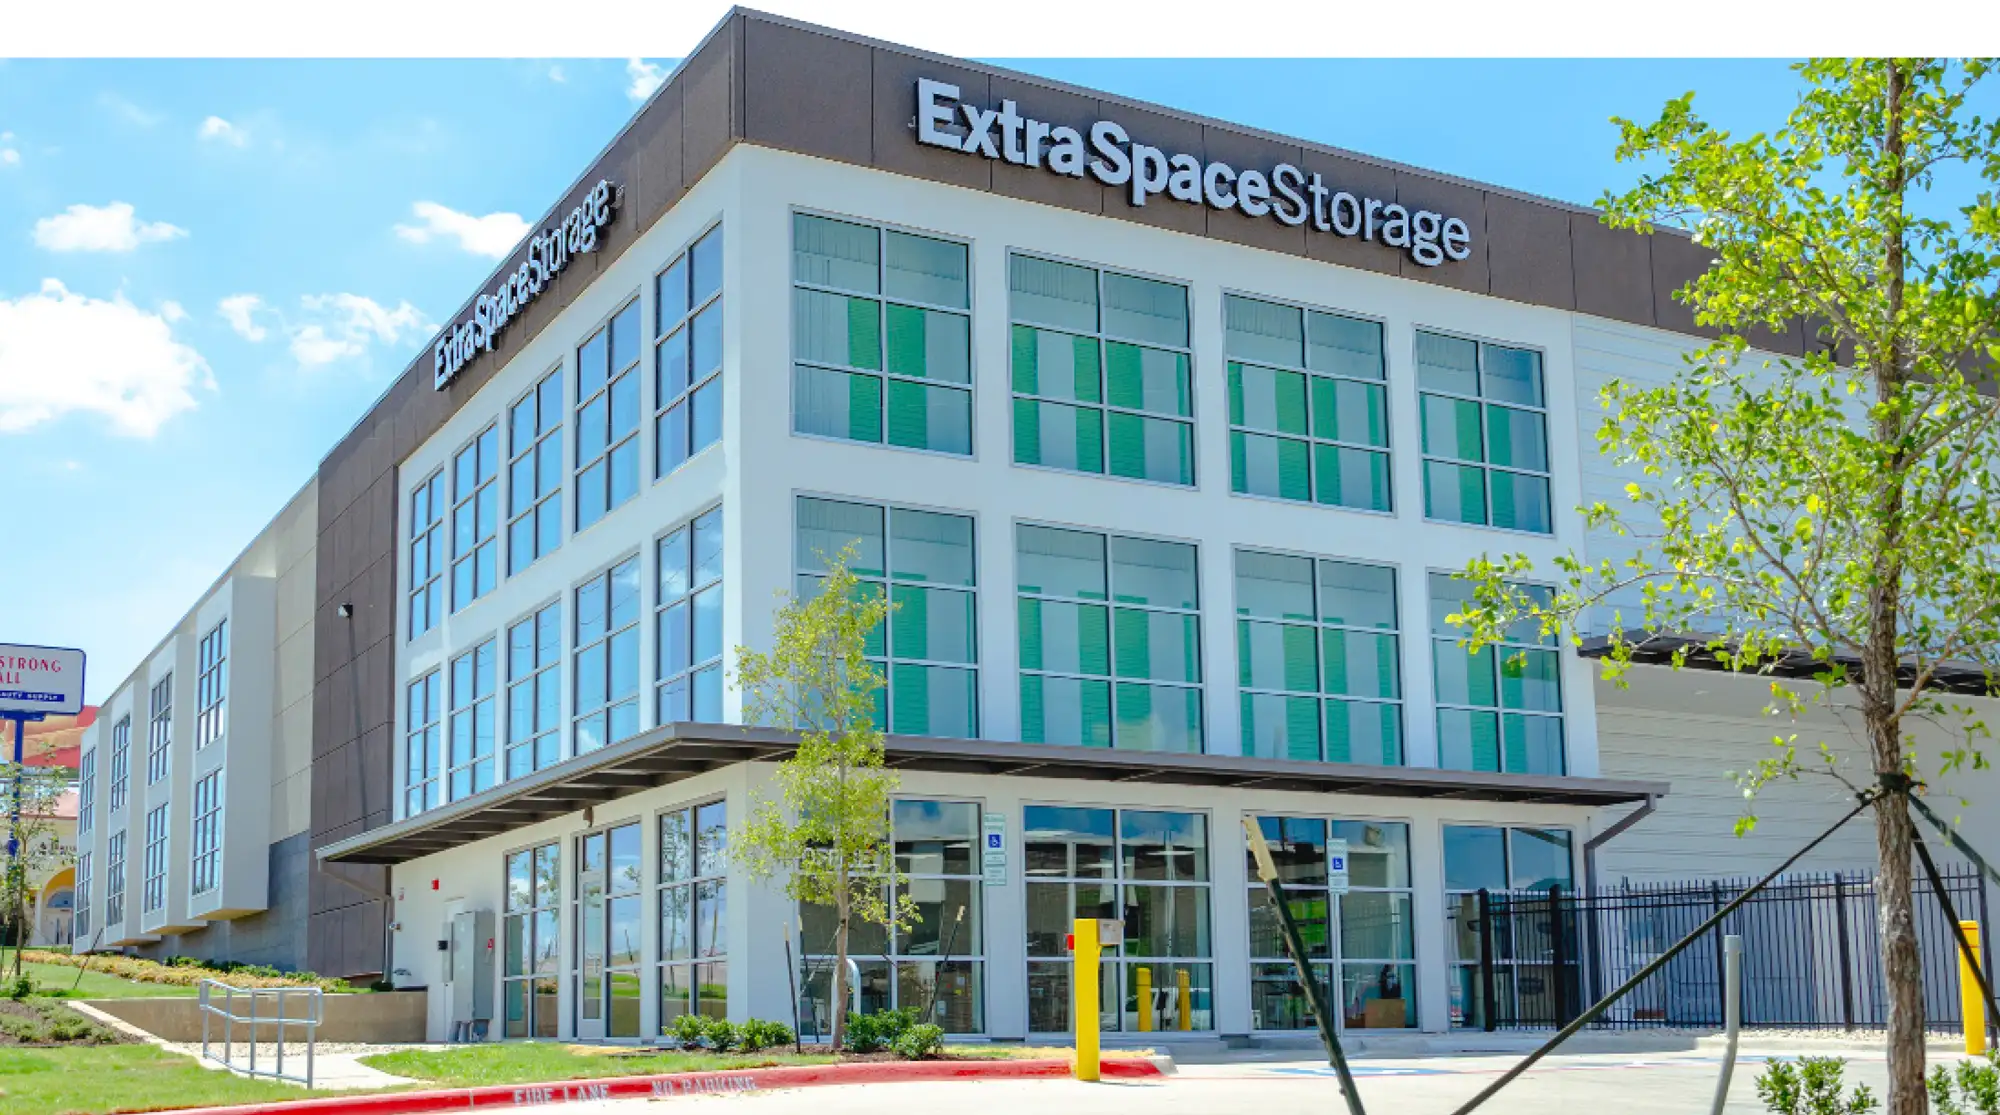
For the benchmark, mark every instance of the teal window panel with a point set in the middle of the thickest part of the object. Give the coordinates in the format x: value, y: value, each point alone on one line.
x: 1074, y: 711
x: 1451, y: 428
x: 1454, y: 493
x: 1056, y: 365
x: 1158, y: 718
x: 1344, y: 410
x: 1277, y: 727
x: 1160, y: 646
x: 1468, y: 740
x: 1517, y: 438
x: 1065, y: 637
x: 1277, y: 656
x: 933, y: 701
x: 929, y: 344
x: 1147, y: 379
x: 1359, y: 663
x: 1463, y: 678
x: 1521, y: 502
x: 836, y: 404
x: 1267, y: 399
x: 1262, y: 465
x: 933, y: 624
x: 837, y: 329
x: 1356, y: 478
x: 925, y: 417
x: 1058, y: 436
x: 1154, y: 449
x: 1364, y: 732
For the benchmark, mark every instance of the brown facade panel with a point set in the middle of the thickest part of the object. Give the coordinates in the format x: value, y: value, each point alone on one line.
x: 1528, y: 252
x: 1341, y: 174
x: 1421, y: 192
x: 658, y: 184
x: 708, y: 103
x: 1059, y: 108
x: 892, y: 83
x: 1677, y: 260
x: 807, y: 92
x: 1614, y: 271
x: 1247, y: 152
x: 1174, y: 135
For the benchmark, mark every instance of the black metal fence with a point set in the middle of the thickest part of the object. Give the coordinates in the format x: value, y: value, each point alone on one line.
x: 1810, y: 953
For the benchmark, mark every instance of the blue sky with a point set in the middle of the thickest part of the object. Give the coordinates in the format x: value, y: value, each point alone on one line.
x: 171, y: 373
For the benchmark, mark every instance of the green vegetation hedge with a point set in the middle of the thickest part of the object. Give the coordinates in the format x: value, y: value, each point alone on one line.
x: 182, y: 971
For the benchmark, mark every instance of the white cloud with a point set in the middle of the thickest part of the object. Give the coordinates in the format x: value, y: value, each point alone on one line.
x: 556, y: 75
x: 8, y: 155
x: 62, y: 352
x: 493, y: 235
x: 222, y: 131
x: 239, y: 310
x: 327, y: 328
x: 109, y: 228
x: 173, y: 311
x: 129, y: 112
x: 645, y: 77
x: 342, y: 326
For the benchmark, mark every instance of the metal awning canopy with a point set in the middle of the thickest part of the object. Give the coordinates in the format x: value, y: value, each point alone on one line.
x: 1964, y: 680
x: 678, y: 751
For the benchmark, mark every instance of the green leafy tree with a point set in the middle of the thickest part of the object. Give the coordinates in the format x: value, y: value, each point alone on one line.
x: 828, y: 834
x: 1840, y: 509
x: 37, y: 852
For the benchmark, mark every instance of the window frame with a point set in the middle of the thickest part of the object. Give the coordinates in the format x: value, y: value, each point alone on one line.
x: 467, y: 711
x: 531, y: 743
x: 424, y: 784
x: 1425, y: 458
x: 1191, y: 421
x: 211, y: 721
x: 86, y: 792
x: 604, y: 575
x: 1453, y: 963
x: 1498, y: 709
x: 546, y: 432
x: 153, y: 889
x: 1399, y: 703
x: 882, y: 300
x: 121, y: 762
x: 80, y: 923
x: 613, y: 442
x: 114, y: 879
x: 470, y: 501
x: 887, y: 581
x: 683, y: 325
x: 428, y: 592
x: 1111, y: 605
x: 1337, y: 960
x: 556, y: 974
x: 206, y: 834
x: 692, y: 964
x: 1116, y: 881
x: 160, y: 730
x: 1387, y: 450
x: 661, y: 606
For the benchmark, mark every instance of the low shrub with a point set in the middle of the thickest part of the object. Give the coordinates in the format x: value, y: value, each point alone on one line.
x: 186, y: 971
x: 758, y: 1034
x: 1812, y: 1086
x: 688, y: 1030
x: 55, y: 1024
x: 20, y: 987
x: 721, y: 1034
x: 1976, y: 1084
x: 872, y: 1033
x: 919, y: 1041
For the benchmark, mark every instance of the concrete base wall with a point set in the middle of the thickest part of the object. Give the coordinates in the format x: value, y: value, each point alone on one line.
x: 384, y: 1016
x: 275, y: 936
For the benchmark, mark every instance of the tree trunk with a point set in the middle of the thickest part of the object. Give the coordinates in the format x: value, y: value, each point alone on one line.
x: 1902, y: 967
x: 840, y: 992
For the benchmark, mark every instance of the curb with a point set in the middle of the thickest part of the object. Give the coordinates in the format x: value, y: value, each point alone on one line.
x: 676, y: 1084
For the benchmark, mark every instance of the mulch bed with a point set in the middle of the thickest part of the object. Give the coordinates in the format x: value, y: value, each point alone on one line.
x: 19, y: 1017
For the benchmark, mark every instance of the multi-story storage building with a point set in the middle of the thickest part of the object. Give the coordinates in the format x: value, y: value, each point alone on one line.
x: 1162, y: 434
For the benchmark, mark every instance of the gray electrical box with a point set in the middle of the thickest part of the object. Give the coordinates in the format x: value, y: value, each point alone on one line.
x: 469, y: 974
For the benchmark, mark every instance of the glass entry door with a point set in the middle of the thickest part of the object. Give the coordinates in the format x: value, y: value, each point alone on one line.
x: 607, y: 934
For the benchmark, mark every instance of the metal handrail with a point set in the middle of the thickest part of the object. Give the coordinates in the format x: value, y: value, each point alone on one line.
x: 227, y: 1013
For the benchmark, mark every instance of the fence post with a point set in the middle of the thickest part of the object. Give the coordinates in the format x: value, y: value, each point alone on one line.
x: 1721, y: 971
x: 1846, y: 962
x: 1559, y: 955
x: 1986, y: 945
x: 1486, y: 960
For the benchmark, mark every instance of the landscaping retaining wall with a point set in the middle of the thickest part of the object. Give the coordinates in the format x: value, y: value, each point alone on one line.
x: 381, y: 1016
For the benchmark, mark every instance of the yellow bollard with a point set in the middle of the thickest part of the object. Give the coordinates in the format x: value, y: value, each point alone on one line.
x: 1085, y: 950
x: 1972, y: 1009
x: 1143, y: 976
x: 1181, y: 978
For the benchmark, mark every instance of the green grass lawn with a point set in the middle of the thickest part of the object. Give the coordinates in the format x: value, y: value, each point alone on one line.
x: 90, y: 1080
x: 59, y: 979
x: 539, y: 1062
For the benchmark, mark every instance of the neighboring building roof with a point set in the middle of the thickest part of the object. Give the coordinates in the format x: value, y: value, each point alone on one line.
x: 56, y: 741
x: 65, y: 806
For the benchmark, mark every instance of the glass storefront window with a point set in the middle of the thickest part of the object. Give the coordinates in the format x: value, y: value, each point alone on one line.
x: 1149, y: 868
x: 1493, y: 858
x: 1361, y: 943
x: 693, y: 908
x: 530, y: 940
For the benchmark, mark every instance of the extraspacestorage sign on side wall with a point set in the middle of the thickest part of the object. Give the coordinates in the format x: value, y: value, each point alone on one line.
x: 1284, y: 192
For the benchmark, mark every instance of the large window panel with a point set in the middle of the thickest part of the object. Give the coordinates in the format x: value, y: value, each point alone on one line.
x: 607, y: 417
x: 1499, y: 708
x: 925, y: 562
x: 606, y: 658
x: 1361, y: 943
x: 427, y: 555
x: 1109, y: 392
x: 1327, y: 629
x: 688, y: 623
x: 531, y: 943
x: 1495, y: 858
x: 534, y: 692
x: 535, y: 471
x: 687, y: 354
x: 1070, y: 652
x: 881, y: 336
x: 472, y: 735
x: 1485, y: 463
x: 1308, y: 405
x: 475, y: 519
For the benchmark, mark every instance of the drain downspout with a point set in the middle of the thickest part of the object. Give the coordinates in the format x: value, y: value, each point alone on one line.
x: 1590, y: 846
